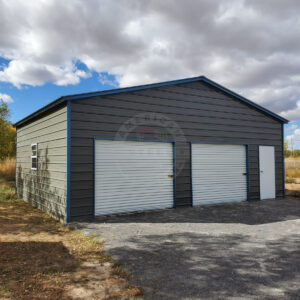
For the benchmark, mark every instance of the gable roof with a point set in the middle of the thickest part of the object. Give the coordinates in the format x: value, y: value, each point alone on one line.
x: 204, y: 79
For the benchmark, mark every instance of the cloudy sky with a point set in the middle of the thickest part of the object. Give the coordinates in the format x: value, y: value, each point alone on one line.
x: 49, y: 48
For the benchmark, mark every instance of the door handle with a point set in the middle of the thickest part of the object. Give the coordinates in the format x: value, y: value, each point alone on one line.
x: 261, y: 171
x: 170, y: 176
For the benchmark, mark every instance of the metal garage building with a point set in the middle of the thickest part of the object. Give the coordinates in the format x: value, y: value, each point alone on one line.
x: 177, y: 143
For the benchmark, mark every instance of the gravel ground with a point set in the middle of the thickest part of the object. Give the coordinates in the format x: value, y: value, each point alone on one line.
x: 233, y: 251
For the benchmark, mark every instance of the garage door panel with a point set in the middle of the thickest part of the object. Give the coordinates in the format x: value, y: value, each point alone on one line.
x: 132, y: 176
x: 218, y: 173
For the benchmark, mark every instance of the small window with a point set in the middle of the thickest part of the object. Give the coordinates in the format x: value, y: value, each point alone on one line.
x: 34, y: 156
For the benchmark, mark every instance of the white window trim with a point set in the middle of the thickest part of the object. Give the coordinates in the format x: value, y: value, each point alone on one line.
x: 34, y: 156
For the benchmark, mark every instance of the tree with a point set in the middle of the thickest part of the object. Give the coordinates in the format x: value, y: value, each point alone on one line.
x: 287, y: 152
x: 7, y: 134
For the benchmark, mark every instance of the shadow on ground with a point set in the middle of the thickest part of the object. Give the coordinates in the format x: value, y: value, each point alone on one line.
x: 29, y: 268
x: 197, y: 266
x: 250, y: 213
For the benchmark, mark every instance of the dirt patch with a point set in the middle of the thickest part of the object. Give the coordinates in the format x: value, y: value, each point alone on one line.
x: 42, y: 259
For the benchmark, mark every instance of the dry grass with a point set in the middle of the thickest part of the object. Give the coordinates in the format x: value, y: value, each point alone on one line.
x: 292, y: 168
x: 292, y: 177
x: 8, y: 169
x: 292, y: 173
x: 43, y: 259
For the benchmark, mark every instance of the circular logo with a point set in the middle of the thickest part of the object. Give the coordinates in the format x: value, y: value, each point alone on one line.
x: 153, y: 127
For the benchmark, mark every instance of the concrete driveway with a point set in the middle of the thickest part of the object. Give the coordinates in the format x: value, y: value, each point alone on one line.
x: 233, y: 251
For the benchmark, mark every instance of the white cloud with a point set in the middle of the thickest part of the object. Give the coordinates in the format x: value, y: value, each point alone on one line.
x: 6, y: 98
x: 20, y: 72
x: 294, y: 139
x: 104, y: 79
x: 249, y: 46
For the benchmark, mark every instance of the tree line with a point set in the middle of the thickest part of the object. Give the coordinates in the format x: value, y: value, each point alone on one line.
x: 290, y: 153
x: 7, y: 134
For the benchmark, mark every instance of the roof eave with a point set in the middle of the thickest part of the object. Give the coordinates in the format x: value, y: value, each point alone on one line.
x: 40, y: 111
x: 243, y: 99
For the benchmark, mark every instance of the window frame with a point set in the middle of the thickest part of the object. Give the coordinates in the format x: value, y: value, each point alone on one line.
x: 34, y: 156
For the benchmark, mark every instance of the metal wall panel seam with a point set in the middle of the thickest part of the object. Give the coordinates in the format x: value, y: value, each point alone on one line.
x: 133, y: 140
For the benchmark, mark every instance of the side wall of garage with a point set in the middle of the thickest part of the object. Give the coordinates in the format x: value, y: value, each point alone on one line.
x: 44, y: 187
x: 184, y: 112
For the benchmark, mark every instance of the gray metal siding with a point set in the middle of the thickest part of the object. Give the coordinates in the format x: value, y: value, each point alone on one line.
x: 45, y: 187
x: 200, y: 111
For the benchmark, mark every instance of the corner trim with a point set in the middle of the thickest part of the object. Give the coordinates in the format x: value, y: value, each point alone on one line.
x: 68, y: 161
x: 283, y: 162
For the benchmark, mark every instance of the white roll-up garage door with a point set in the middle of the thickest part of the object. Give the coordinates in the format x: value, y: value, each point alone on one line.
x: 218, y: 173
x: 132, y: 176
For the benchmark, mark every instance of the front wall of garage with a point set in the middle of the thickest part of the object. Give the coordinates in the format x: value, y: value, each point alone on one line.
x: 195, y: 111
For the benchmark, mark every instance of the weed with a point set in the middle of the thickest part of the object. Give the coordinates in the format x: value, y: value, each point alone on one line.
x: 118, y: 271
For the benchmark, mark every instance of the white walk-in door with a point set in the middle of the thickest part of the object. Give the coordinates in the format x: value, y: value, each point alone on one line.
x: 267, y: 172
x: 219, y: 173
x: 132, y: 176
